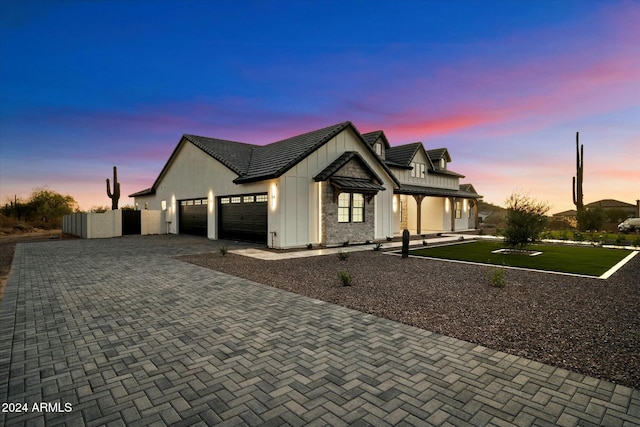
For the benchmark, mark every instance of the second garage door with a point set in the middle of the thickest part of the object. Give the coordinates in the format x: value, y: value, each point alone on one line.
x: 243, y: 217
x: 193, y: 217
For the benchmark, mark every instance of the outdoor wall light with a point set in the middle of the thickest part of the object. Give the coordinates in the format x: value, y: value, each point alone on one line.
x: 210, y: 202
x: 395, y: 204
x: 274, y: 196
x: 163, y: 205
x: 446, y: 205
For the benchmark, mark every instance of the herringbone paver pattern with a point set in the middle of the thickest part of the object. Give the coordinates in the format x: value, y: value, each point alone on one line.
x: 129, y: 336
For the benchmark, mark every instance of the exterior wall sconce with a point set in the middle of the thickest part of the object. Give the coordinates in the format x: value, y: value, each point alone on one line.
x: 447, y: 205
x: 274, y: 196
x: 395, y: 203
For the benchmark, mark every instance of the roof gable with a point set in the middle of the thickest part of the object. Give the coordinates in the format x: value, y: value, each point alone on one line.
x: 341, y: 161
x: 273, y: 160
x: 372, y: 137
x: 439, y: 153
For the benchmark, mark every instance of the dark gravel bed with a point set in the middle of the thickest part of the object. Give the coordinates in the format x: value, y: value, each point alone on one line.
x: 590, y: 326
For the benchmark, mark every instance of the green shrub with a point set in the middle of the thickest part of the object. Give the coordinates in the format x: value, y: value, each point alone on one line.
x: 345, y: 277
x: 223, y: 250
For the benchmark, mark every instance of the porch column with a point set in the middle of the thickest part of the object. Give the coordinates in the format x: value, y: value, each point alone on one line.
x: 419, y: 199
x: 452, y: 200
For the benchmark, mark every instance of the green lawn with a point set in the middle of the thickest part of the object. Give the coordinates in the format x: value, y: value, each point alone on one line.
x: 591, y: 261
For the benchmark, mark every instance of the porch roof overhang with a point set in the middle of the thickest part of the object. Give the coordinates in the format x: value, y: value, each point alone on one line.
x: 434, y: 191
x: 359, y: 185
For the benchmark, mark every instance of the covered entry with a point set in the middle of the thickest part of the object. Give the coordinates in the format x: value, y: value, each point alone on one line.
x: 243, y: 217
x: 193, y: 217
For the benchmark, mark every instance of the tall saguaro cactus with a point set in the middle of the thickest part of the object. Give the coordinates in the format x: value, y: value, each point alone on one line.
x: 116, y: 190
x: 577, y: 180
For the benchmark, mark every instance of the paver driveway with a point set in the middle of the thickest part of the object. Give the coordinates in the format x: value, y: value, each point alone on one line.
x: 117, y: 332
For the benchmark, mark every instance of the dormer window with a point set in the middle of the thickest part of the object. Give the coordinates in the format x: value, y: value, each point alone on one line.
x: 378, y: 147
x: 443, y: 164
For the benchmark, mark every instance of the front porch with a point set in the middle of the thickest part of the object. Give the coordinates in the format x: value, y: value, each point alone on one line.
x: 425, y: 210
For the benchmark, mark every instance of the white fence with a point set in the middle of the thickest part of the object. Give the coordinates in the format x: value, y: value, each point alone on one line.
x: 95, y: 225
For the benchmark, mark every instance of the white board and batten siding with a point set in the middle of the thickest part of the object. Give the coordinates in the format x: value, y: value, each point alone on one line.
x: 299, y: 220
x: 193, y: 174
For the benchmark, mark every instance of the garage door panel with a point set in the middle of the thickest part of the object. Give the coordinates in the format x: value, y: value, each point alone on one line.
x: 193, y: 217
x: 243, y: 217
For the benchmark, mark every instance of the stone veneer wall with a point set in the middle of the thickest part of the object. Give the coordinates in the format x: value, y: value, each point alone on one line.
x: 336, y: 233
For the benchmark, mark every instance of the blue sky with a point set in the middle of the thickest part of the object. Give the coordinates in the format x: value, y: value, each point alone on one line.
x: 504, y: 85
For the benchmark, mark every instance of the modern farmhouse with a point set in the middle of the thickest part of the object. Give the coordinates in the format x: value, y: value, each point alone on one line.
x: 323, y: 187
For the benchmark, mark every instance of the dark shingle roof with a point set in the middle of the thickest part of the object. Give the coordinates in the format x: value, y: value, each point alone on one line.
x: 232, y: 154
x: 356, y: 184
x: 272, y: 160
x: 439, y: 153
x: 371, y: 137
x: 434, y: 191
x: 402, y: 154
x: 259, y: 162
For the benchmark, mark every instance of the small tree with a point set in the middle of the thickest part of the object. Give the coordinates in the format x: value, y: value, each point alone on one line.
x: 525, y: 221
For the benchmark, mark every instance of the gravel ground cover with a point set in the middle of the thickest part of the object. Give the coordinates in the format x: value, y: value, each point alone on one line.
x: 590, y: 326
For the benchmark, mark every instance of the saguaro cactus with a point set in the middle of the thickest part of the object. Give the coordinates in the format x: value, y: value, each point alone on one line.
x: 577, y: 180
x: 116, y: 190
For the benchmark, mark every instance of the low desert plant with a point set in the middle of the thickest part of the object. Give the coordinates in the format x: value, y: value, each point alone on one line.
x: 497, y: 277
x: 309, y: 246
x: 345, y: 243
x: 377, y: 247
x: 345, y: 277
x: 342, y: 255
x: 224, y: 250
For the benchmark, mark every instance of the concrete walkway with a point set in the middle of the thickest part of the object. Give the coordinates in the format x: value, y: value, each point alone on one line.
x: 305, y: 253
x: 116, y: 332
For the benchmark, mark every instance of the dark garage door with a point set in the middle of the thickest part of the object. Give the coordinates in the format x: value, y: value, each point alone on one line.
x: 243, y: 217
x: 193, y: 217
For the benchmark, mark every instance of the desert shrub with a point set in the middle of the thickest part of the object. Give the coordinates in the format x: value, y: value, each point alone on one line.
x: 224, y: 250
x: 345, y: 277
x: 591, y: 219
x: 377, y: 247
x: 342, y: 255
x: 497, y: 277
x: 526, y: 219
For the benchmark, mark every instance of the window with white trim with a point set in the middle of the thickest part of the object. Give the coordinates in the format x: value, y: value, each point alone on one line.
x: 458, y: 209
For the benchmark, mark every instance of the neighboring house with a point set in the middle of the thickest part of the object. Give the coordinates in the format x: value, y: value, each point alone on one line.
x: 569, y: 216
x: 326, y: 187
x: 614, y: 209
x: 620, y: 210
